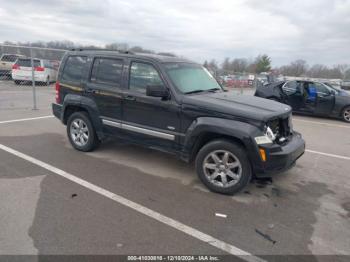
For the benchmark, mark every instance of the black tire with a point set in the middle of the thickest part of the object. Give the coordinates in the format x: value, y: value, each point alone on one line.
x: 92, y: 141
x: 47, y: 83
x: 274, y: 99
x: 345, y: 114
x: 17, y: 82
x: 235, y: 149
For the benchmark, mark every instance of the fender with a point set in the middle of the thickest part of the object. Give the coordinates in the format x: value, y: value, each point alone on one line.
x: 88, y: 105
x: 241, y: 131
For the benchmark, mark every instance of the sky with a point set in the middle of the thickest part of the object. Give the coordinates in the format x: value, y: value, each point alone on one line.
x: 317, y: 31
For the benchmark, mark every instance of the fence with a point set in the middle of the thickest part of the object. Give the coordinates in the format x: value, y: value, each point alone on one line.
x: 29, y: 66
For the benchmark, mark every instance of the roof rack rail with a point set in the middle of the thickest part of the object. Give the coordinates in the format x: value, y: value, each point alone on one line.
x: 102, y: 49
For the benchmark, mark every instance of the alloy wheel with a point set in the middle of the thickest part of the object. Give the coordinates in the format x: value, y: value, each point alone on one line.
x: 222, y: 168
x: 347, y: 115
x: 79, y: 132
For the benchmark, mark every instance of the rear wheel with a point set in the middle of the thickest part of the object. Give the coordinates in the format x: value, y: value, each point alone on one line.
x: 47, y: 83
x: 81, y: 132
x: 223, y: 166
x: 17, y: 82
x: 346, y: 114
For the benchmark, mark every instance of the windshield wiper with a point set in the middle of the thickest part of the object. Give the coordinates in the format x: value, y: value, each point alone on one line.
x: 213, y: 89
x: 195, y: 91
x: 203, y: 90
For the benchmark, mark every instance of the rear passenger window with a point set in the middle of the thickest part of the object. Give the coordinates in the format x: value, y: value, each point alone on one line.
x: 73, y: 70
x: 107, y: 71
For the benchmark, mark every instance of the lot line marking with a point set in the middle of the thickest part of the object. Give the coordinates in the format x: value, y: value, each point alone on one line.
x: 326, y: 154
x: 226, y: 247
x: 320, y: 123
x: 25, y: 119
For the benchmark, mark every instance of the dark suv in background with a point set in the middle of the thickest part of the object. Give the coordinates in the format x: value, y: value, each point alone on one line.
x: 175, y: 106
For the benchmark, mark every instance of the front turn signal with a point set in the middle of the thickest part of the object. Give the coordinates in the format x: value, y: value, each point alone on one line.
x: 262, y: 154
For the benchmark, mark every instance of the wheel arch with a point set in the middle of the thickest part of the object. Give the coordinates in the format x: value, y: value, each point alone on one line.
x: 204, y: 130
x: 76, y: 103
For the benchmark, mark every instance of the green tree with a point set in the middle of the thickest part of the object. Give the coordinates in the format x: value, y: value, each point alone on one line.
x: 263, y: 63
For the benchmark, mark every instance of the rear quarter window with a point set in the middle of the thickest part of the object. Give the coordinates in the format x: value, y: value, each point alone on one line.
x: 74, y: 68
x: 107, y: 71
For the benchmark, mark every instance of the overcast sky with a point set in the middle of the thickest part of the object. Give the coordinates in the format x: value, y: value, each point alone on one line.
x: 315, y: 30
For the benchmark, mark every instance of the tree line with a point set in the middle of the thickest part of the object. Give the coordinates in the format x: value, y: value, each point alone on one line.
x: 262, y: 63
x: 68, y: 45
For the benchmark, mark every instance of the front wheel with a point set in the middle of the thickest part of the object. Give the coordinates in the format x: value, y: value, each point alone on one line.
x: 346, y: 114
x: 81, y: 132
x: 223, y: 166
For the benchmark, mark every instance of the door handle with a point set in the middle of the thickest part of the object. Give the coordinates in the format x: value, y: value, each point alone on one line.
x: 130, y: 98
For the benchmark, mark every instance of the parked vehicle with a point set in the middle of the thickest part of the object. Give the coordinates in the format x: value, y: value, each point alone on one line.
x: 6, y: 63
x: 45, y: 71
x: 175, y: 106
x: 308, y: 97
x: 345, y: 85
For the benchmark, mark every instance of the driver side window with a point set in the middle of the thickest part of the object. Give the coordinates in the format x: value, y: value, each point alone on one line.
x: 142, y: 75
x: 321, y: 89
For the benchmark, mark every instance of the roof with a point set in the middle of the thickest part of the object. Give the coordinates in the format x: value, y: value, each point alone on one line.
x: 154, y: 57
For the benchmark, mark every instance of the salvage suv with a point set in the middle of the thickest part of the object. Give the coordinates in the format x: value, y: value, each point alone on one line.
x: 175, y: 106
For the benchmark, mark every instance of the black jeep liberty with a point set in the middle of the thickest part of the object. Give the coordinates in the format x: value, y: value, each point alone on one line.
x: 176, y: 106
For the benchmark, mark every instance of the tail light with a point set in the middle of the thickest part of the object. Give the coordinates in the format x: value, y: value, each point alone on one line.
x: 57, y: 96
x: 39, y: 69
x: 15, y: 67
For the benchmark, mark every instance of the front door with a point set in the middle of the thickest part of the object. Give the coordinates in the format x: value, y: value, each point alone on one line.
x: 325, y: 99
x: 149, y: 120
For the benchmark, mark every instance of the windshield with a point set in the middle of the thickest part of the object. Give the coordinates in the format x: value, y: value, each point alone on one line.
x: 190, y: 78
x: 333, y: 86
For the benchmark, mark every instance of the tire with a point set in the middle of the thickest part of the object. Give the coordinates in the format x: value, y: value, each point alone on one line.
x: 47, y: 83
x: 81, y: 133
x: 274, y: 99
x: 237, y: 159
x: 17, y: 82
x: 346, y: 114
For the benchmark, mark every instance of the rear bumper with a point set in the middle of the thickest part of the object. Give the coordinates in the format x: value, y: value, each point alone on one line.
x: 28, y: 77
x: 57, y: 111
x: 280, y: 158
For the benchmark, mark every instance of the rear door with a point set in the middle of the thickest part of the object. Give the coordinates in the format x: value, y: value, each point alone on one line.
x: 293, y: 93
x: 104, y: 86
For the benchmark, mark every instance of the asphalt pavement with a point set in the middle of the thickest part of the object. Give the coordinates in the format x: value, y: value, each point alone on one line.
x: 304, y: 211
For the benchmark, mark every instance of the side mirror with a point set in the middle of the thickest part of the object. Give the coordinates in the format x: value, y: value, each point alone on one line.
x: 157, y: 91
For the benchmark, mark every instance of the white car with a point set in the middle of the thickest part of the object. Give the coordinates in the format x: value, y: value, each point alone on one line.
x: 45, y: 71
x: 6, y: 63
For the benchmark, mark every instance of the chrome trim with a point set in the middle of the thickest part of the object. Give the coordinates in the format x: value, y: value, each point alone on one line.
x: 148, y: 132
x: 138, y: 129
x: 111, y: 123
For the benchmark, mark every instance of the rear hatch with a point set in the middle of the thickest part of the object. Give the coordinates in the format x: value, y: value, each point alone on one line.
x: 23, y: 67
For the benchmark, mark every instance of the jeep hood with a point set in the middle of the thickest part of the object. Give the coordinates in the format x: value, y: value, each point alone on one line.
x: 242, y: 106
